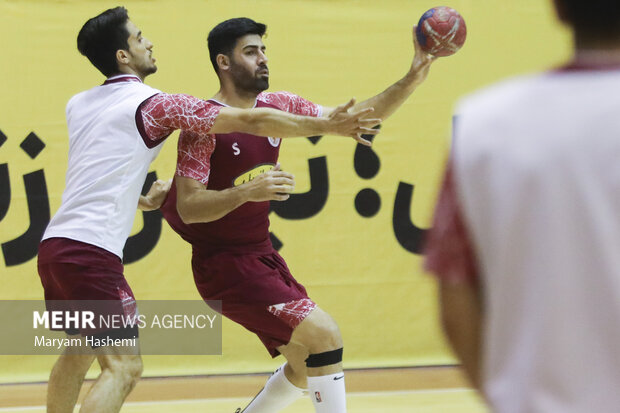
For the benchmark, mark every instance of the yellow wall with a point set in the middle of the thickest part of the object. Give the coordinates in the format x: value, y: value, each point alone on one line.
x: 327, y: 51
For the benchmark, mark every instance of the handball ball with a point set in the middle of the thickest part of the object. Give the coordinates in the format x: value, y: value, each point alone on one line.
x: 441, y: 31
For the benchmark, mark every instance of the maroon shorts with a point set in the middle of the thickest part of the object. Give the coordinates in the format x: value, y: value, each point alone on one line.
x: 73, y: 272
x: 257, y: 292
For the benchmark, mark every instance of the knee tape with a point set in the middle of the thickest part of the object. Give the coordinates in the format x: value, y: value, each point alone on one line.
x: 324, y: 359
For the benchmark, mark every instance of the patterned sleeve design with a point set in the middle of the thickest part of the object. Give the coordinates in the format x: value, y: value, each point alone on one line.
x: 194, y: 156
x: 162, y: 114
x: 449, y: 251
x: 292, y: 103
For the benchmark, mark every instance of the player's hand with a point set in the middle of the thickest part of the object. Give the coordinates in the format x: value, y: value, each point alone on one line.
x: 421, y: 60
x: 353, y: 124
x: 156, y: 195
x: 275, y: 185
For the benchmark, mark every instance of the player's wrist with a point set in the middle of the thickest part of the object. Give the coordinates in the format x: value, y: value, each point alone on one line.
x: 244, y: 193
x: 326, y: 126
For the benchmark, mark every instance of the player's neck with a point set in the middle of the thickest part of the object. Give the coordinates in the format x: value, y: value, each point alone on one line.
x: 235, y: 98
x: 597, y: 57
x: 597, y: 49
x: 129, y: 71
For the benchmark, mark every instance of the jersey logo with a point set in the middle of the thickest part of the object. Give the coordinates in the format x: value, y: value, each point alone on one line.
x: 274, y: 141
x: 236, y: 149
x: 253, y: 173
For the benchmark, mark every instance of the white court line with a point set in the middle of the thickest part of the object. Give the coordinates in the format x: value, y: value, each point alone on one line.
x: 232, y: 399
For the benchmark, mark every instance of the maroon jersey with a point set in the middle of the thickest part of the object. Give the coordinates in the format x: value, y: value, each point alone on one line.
x: 225, y: 160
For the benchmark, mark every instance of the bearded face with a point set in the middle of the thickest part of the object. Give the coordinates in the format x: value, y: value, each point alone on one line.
x: 249, y: 77
x: 247, y: 65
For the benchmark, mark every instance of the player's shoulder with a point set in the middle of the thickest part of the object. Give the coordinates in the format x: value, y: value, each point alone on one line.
x: 497, y: 97
x: 273, y: 95
x: 78, y: 100
x: 276, y: 98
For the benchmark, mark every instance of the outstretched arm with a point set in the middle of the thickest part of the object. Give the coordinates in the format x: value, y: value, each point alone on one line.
x: 271, y: 122
x: 386, y: 102
x: 162, y: 114
x: 196, y: 203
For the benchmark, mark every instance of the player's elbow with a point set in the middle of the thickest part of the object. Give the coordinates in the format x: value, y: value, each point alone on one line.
x: 255, y: 122
x: 240, y: 120
x: 261, y: 122
x: 187, y: 214
x: 192, y: 214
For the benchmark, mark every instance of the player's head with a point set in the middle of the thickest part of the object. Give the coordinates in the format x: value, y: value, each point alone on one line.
x: 237, y: 53
x: 114, y: 45
x: 595, y: 20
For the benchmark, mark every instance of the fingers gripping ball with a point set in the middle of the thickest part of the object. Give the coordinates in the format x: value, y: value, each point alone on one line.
x: 441, y: 31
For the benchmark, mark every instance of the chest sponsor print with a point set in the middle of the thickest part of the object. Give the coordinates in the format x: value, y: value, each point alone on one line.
x: 252, y: 173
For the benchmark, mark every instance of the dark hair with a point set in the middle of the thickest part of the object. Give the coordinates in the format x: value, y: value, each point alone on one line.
x: 223, y: 37
x: 597, y: 18
x: 102, y: 36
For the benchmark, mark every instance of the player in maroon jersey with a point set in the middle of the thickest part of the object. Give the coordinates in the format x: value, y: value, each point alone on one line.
x: 219, y: 202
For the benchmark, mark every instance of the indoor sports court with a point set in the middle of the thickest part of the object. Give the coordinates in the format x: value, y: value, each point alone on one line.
x: 352, y: 230
x: 437, y: 389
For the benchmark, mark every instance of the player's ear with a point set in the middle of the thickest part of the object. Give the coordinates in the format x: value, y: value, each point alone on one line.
x: 223, y: 62
x: 122, y: 56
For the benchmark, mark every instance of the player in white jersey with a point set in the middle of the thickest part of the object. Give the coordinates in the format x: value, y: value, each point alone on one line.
x: 115, y: 131
x: 526, y: 236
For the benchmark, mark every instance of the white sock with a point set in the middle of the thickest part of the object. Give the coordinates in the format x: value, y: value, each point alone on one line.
x: 277, y: 394
x: 327, y: 393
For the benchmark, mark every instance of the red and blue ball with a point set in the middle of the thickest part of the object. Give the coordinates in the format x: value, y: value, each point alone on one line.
x: 441, y: 31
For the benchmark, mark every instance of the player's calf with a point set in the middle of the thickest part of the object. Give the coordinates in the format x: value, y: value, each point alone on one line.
x: 119, y: 375
x: 320, y: 334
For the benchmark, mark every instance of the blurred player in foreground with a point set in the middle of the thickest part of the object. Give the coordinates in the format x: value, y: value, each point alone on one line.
x: 526, y: 237
x: 219, y: 202
x: 115, y: 131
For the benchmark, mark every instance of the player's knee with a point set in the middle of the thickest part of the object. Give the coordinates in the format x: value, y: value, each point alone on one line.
x: 134, y: 371
x: 126, y: 369
x: 325, y: 337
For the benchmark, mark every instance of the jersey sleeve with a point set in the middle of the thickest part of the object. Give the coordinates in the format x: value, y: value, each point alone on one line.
x: 161, y: 114
x: 194, y: 156
x: 292, y: 103
x: 449, y: 253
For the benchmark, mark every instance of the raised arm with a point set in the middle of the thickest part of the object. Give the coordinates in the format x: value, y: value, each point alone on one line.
x: 386, y: 102
x: 196, y: 204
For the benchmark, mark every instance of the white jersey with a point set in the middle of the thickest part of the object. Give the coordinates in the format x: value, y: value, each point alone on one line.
x: 108, y: 163
x: 537, y: 164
